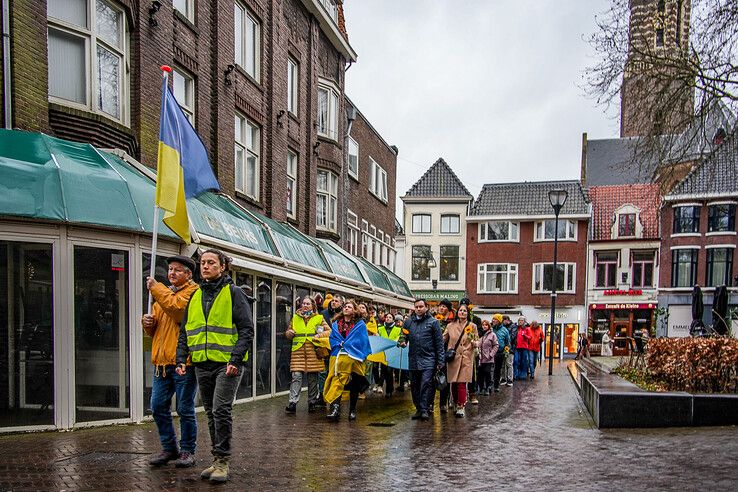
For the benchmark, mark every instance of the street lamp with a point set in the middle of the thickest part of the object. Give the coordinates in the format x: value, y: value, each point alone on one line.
x: 557, y: 198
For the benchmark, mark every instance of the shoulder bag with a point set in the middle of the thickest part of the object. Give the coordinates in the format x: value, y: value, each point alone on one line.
x: 451, y: 354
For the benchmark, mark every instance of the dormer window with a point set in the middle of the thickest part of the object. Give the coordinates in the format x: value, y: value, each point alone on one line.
x: 626, y: 222
x: 626, y: 225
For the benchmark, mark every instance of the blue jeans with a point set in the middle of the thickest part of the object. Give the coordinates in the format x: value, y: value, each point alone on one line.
x: 522, y: 361
x: 532, y: 362
x: 166, y: 383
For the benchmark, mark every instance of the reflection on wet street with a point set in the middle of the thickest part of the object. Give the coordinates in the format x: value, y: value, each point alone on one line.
x: 535, y: 434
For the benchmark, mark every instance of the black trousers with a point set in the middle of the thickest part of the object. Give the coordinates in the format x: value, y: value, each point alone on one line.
x: 387, y: 376
x: 499, y: 363
x: 217, y: 392
x: 484, y: 375
x: 423, y: 388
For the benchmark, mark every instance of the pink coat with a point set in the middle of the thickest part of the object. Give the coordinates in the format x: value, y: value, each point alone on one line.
x: 488, y: 346
x: 460, y: 369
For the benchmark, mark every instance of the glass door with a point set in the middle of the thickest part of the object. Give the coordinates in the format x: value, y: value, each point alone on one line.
x: 263, y: 336
x: 101, y: 334
x: 285, y: 303
x: 557, y: 339
x: 246, y: 389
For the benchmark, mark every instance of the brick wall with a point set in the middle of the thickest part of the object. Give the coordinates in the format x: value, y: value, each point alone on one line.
x: 525, y: 253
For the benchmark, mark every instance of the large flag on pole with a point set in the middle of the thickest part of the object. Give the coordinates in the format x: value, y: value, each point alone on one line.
x: 183, y: 168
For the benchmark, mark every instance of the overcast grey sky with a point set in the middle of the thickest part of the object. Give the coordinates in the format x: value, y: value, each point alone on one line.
x: 492, y: 86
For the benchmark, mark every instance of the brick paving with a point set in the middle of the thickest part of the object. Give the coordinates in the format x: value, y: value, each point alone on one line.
x: 536, y: 434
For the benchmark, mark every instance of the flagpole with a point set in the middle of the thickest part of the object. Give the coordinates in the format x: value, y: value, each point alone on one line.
x: 165, y: 69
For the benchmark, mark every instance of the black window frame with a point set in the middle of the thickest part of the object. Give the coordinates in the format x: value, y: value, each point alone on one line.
x: 680, y: 220
x: 713, y: 219
x: 675, y: 266
x: 710, y: 265
x: 419, y: 262
x: 447, y: 261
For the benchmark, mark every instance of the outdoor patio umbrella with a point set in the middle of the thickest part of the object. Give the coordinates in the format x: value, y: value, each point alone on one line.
x: 697, y: 327
x: 720, y: 310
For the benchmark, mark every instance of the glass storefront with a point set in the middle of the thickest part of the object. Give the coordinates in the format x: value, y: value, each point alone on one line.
x: 263, y: 336
x: 284, y: 302
x: 161, y: 275
x: 27, y: 340
x: 101, y: 334
x: 246, y: 388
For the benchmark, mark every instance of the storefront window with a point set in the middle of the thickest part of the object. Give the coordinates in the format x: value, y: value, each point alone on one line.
x: 600, y: 324
x: 160, y: 273
x: 101, y: 333
x: 246, y: 389
x: 284, y: 346
x: 27, y: 339
x: 263, y: 319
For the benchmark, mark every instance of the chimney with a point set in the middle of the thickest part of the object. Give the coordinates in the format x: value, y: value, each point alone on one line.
x: 583, y: 172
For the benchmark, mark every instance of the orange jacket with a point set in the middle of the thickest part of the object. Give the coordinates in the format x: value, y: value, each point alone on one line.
x: 535, y: 339
x: 168, y: 311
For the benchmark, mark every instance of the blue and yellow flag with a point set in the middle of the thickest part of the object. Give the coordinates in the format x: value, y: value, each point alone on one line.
x: 183, y: 169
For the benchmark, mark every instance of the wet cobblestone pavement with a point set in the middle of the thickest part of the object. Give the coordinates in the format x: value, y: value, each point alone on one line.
x: 536, y: 434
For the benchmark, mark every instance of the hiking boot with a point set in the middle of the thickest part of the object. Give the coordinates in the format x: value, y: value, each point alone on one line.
x: 379, y: 390
x: 186, y: 460
x: 417, y: 415
x: 473, y: 400
x: 444, y: 409
x: 163, y: 458
x: 205, y: 474
x: 497, y: 390
x: 335, y: 412
x: 425, y: 416
x: 460, y: 412
x: 352, y: 414
x: 291, y: 408
x: 312, y: 407
x: 220, y: 473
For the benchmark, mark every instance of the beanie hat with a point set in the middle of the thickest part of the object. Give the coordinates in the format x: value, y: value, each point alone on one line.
x: 498, y: 317
x: 447, y: 303
x: 327, y: 301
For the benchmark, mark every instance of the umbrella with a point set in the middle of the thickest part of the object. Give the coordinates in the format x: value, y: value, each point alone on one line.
x: 697, y: 327
x: 720, y: 310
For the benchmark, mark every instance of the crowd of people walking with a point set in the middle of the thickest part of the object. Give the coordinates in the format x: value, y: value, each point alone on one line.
x: 201, y: 335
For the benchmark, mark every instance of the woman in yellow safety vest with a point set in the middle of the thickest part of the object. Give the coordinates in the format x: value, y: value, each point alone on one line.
x: 216, y: 332
x: 309, y: 333
x: 391, y: 331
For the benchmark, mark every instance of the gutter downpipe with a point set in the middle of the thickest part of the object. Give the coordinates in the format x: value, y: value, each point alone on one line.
x: 7, y: 74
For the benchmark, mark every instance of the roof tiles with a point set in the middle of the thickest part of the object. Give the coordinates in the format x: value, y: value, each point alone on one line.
x: 529, y: 198
x: 439, y: 181
x: 606, y: 200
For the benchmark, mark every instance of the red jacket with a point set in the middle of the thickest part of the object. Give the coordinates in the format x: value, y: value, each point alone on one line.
x: 536, y: 337
x: 523, y: 337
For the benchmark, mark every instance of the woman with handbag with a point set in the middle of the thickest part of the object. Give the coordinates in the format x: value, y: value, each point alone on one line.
x: 460, y: 337
x: 309, y: 334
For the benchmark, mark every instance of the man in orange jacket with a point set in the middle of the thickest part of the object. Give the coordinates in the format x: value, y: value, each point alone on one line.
x: 163, y: 326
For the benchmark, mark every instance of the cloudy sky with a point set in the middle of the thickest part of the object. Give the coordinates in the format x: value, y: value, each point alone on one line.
x: 492, y: 86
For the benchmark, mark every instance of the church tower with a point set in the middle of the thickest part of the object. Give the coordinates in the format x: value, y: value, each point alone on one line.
x: 658, y: 29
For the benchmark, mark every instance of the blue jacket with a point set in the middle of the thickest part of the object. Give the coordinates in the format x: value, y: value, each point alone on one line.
x: 503, y: 337
x: 512, y: 330
x: 425, y: 342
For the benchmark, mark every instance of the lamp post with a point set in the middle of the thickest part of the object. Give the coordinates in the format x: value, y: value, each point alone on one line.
x: 557, y: 198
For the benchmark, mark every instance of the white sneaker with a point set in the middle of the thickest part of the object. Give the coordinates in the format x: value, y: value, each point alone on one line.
x: 378, y: 390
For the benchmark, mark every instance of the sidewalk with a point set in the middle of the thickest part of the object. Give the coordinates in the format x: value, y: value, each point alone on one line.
x: 539, y: 428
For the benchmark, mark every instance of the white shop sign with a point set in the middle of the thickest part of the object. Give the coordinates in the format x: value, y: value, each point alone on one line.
x: 680, y: 317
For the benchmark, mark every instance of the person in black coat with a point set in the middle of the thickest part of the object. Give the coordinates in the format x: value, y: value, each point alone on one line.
x: 423, y: 332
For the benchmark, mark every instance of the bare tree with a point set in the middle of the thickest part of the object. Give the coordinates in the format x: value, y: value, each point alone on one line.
x: 674, y: 65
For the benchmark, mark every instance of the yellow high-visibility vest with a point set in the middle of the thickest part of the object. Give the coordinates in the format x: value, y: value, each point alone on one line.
x: 304, y: 332
x: 212, y: 339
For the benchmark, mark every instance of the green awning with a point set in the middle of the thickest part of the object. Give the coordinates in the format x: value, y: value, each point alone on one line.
x: 341, y: 262
x: 294, y: 245
x: 47, y: 178
x: 376, y: 277
x: 217, y: 216
x: 398, y: 285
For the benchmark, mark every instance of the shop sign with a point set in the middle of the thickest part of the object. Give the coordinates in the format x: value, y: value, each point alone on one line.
x: 680, y: 318
x: 437, y: 295
x: 618, y: 292
x: 623, y: 305
x: 559, y: 315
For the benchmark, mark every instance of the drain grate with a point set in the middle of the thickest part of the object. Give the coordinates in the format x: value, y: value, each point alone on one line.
x: 103, y: 458
x: 381, y: 424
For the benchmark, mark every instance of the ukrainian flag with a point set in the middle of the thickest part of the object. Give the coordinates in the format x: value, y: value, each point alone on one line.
x: 183, y: 168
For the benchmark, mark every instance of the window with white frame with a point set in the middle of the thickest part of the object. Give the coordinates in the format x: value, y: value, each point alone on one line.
x: 331, y: 9
x: 247, y: 37
x: 293, y: 78
x: 186, y: 8
x: 449, y: 224
x: 627, y: 225
x: 642, y: 263
x: 421, y: 223
x: 498, y: 230
x: 543, y: 277
x: 719, y: 267
x: 88, y: 57
x: 684, y: 267
x: 327, y: 109
x: 327, y: 200
x: 606, y: 267
x: 183, y: 88
x: 353, y: 233
x: 364, y: 239
x: 545, y: 230
x: 497, y: 278
x: 291, y: 184
x: 377, y: 180
x: 247, y: 157
x: 353, y: 158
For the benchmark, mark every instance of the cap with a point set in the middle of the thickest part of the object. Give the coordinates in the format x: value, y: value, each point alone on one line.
x: 185, y: 260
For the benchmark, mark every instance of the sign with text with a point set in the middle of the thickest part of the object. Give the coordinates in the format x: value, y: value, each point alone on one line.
x: 680, y: 317
x: 624, y: 305
x: 619, y: 292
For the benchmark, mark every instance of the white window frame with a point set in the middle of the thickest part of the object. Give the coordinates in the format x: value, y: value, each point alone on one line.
x: 92, y: 41
x: 293, y: 85
x: 189, y: 9
x: 330, y: 194
x: 458, y: 224
x: 293, y: 162
x: 511, y: 273
x: 421, y: 231
x: 251, y: 65
x: 538, y: 270
x: 241, y: 143
x: 186, y: 101
x: 331, y: 9
x: 482, y: 236
x: 571, y: 230
x: 353, y: 231
x: 327, y: 124
x: 377, y: 180
x: 353, y: 151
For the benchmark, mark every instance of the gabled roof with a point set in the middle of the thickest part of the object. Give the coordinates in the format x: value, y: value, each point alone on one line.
x: 529, y: 198
x: 717, y: 175
x: 439, y: 182
x: 606, y: 200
